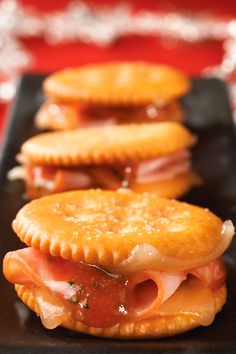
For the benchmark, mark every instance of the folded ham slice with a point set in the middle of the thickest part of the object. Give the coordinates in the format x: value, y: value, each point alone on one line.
x: 89, y: 294
x: 52, y: 179
x: 162, y: 168
x: 62, y: 116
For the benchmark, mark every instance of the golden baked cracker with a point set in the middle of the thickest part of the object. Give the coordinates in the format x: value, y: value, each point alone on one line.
x: 82, y: 225
x: 101, y: 145
x: 170, y: 188
x: 151, y: 328
x: 117, y: 83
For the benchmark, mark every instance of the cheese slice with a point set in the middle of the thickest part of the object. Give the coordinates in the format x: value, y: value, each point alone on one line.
x: 51, y: 309
x: 145, y: 256
x: 191, y: 299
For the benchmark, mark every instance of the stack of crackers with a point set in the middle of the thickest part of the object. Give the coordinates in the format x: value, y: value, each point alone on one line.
x: 120, y: 128
x: 106, y: 253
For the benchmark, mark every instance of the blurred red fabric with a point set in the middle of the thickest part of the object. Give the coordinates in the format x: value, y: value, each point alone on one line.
x: 191, y: 58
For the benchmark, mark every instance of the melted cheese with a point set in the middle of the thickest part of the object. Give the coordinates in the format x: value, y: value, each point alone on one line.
x: 146, y: 256
x: 18, y: 172
x: 191, y: 299
x: 51, y: 310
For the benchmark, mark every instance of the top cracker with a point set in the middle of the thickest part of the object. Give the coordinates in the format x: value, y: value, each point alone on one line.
x: 117, y: 83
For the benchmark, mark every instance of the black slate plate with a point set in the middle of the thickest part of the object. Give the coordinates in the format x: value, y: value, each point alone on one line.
x: 210, y: 118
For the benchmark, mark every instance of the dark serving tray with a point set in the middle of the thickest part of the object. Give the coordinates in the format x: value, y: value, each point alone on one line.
x: 209, y: 116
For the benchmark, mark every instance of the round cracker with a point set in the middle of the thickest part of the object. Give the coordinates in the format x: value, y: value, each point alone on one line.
x: 102, y: 227
x: 99, y: 145
x: 117, y: 83
x: 153, y: 328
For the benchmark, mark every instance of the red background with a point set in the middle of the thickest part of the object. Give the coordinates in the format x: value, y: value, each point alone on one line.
x: 191, y: 58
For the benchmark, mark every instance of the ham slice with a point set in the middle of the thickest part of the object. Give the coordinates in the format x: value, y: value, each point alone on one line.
x: 97, y: 298
x: 65, y: 180
x: 63, y: 116
x: 162, y: 168
x: 86, y: 292
x: 55, y: 180
x: 105, y: 177
x: 212, y: 275
x: 50, y: 179
x: 149, y: 290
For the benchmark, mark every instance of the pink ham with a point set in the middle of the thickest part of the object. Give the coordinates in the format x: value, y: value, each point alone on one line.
x: 56, y: 179
x: 162, y: 168
x: 69, y: 180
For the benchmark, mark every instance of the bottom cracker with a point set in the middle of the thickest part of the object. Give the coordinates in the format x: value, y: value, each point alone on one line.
x: 153, y: 328
x: 175, y: 187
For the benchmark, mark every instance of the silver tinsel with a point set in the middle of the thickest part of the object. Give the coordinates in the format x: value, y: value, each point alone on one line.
x: 80, y: 22
x: 102, y: 26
